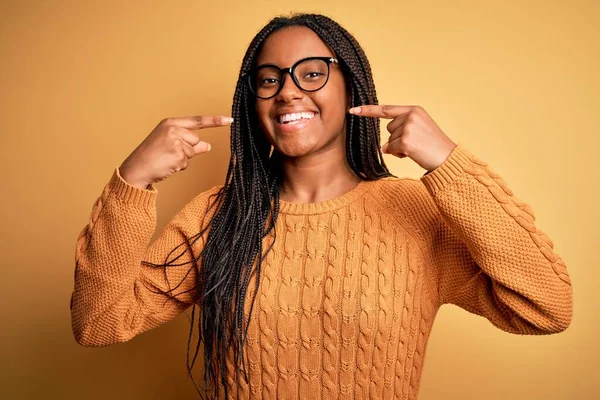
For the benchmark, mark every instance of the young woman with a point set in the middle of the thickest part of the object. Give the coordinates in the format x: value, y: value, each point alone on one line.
x: 317, y: 273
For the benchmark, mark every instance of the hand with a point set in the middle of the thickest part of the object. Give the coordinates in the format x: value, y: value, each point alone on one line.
x: 414, y: 134
x: 167, y: 149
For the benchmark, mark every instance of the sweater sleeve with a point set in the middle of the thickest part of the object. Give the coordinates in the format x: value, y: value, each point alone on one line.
x: 489, y: 256
x: 118, y: 293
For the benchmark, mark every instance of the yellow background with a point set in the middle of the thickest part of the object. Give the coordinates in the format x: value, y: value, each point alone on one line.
x: 83, y: 83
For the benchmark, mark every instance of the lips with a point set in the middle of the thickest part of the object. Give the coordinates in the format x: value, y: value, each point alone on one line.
x: 292, y: 118
x: 292, y: 121
x: 288, y: 114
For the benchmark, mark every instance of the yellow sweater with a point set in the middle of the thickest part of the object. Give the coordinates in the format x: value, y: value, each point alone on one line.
x: 349, y: 293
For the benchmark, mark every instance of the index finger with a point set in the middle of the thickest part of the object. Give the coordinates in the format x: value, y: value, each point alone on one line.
x: 198, y: 121
x: 380, y: 111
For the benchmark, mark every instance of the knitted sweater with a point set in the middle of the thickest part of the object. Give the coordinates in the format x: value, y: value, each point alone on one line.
x: 350, y: 290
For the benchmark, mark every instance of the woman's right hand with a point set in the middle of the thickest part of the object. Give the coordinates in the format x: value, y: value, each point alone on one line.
x: 167, y: 149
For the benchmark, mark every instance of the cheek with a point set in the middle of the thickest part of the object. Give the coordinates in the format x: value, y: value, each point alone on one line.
x: 333, y: 107
x: 262, y: 111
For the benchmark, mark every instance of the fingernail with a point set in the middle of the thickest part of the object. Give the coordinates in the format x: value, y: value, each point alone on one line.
x: 384, y: 148
x: 209, y: 147
x: 354, y: 110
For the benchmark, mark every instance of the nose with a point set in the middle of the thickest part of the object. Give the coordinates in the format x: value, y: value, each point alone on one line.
x: 290, y: 91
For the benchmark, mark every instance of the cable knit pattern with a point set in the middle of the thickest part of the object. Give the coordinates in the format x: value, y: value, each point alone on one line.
x: 350, y: 290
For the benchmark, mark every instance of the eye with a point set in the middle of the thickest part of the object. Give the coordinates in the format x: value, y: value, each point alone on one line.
x: 268, y: 82
x: 313, y: 75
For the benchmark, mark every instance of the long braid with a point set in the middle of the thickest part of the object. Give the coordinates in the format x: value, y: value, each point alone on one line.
x: 246, y: 208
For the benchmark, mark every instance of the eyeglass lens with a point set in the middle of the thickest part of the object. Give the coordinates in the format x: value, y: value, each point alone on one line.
x: 310, y: 75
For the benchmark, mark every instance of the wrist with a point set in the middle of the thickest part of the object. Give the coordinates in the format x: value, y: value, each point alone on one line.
x: 132, y: 180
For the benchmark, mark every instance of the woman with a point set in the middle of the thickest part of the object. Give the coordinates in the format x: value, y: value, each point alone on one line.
x: 317, y: 273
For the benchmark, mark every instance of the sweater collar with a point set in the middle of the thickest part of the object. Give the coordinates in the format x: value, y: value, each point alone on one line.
x: 326, y: 205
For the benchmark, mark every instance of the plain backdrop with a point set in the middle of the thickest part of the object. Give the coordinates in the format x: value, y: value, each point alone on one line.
x: 83, y: 82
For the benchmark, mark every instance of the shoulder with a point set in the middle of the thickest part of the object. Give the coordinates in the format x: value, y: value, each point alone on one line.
x: 207, y: 198
x: 407, y: 199
x: 201, y: 207
x: 401, y: 192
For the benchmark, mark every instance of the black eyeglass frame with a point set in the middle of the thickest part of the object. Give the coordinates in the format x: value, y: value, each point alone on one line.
x: 291, y: 70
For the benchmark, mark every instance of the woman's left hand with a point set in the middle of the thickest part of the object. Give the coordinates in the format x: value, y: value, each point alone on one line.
x: 414, y: 134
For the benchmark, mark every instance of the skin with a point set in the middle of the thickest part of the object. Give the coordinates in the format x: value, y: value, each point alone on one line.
x: 167, y: 149
x: 314, y: 158
x: 314, y: 163
x: 413, y: 134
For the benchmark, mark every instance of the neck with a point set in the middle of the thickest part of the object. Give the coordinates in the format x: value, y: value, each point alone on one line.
x: 317, y: 177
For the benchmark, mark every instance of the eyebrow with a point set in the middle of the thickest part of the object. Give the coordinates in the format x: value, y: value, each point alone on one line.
x: 302, y: 58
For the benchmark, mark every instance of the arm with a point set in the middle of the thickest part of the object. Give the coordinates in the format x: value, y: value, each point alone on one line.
x: 489, y: 257
x: 116, y: 295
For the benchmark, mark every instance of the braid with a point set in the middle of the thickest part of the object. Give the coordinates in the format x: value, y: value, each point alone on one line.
x: 246, y: 208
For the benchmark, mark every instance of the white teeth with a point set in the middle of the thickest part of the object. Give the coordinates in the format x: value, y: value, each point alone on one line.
x: 295, y: 116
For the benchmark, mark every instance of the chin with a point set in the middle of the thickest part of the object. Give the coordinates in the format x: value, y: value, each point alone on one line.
x: 295, y: 148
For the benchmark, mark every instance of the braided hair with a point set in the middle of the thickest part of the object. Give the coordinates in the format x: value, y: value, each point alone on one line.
x: 247, y: 206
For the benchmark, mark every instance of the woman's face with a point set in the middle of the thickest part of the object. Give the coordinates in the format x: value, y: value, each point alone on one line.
x: 325, y: 130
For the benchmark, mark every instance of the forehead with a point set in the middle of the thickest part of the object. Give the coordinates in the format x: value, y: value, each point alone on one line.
x: 288, y: 45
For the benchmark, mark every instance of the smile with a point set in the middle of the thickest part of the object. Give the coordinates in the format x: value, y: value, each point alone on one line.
x: 294, y: 118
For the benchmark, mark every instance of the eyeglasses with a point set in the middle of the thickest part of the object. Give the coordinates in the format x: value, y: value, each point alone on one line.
x: 309, y: 74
